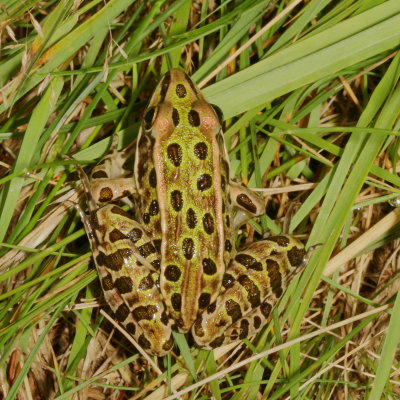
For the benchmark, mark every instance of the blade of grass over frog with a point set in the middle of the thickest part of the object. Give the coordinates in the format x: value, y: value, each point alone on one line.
x: 31, y: 357
x: 343, y: 192
x: 40, y: 115
x: 248, y: 89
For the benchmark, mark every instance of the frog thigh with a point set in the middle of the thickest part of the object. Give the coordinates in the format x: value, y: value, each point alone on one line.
x: 251, y: 286
x: 126, y: 260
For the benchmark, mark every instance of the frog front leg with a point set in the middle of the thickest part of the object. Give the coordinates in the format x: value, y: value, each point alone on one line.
x: 247, y: 203
x: 109, y: 180
x: 251, y: 287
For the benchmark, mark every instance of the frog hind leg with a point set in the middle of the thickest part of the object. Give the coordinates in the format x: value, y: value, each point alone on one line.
x: 127, y: 263
x: 251, y: 286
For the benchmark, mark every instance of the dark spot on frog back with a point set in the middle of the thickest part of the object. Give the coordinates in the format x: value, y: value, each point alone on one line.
x: 188, y: 248
x: 176, y: 200
x: 233, y: 309
x: 282, y: 241
x: 172, y: 273
x: 153, y: 208
x: 201, y: 150
x: 194, y: 118
x: 191, y: 218
x: 209, y: 266
x: 144, y: 342
x: 174, y: 151
x: 175, y: 117
x: 253, y: 292
x: 204, y: 182
x: 208, y: 223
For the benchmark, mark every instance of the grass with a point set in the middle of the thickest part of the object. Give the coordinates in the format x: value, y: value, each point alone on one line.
x: 311, y: 96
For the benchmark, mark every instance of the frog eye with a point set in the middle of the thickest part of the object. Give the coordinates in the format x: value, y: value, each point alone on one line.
x: 149, y: 117
x: 219, y: 113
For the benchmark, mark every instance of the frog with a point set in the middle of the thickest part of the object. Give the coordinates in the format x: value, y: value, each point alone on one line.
x: 170, y: 262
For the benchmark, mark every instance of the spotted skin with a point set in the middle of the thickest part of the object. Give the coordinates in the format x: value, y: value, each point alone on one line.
x: 124, y: 257
x: 173, y: 262
x: 254, y: 281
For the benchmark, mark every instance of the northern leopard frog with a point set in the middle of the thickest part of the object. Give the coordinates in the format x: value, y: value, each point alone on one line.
x: 172, y: 262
